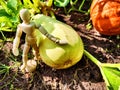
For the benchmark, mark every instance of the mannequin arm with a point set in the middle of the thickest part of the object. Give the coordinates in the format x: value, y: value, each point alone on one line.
x: 51, y: 37
x: 16, y: 41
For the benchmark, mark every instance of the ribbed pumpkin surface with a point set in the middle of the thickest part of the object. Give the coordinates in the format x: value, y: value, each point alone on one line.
x: 105, y: 15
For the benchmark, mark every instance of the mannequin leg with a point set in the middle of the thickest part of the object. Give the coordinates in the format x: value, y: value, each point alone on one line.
x: 25, y: 56
x: 36, y: 52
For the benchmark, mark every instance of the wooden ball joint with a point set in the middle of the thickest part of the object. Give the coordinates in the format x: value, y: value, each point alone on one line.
x: 105, y: 15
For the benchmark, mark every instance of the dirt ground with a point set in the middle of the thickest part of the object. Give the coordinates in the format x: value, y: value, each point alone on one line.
x: 85, y: 75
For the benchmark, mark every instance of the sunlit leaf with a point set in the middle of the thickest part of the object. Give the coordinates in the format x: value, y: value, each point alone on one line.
x: 4, y: 6
x: 61, y: 3
x: 110, y: 72
x: 12, y: 4
x: 7, y: 29
x: 3, y: 13
x: 36, y: 2
x: 28, y: 4
x: 111, y: 75
x: 4, y: 21
x: 9, y: 14
x: 4, y: 18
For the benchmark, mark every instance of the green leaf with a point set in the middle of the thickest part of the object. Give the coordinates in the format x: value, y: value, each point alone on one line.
x: 15, y: 19
x: 6, y: 29
x: 28, y: 4
x: 12, y: 4
x: 4, y: 68
x: 5, y: 22
x: 4, y: 18
x: 49, y: 3
x: 111, y: 75
x: 110, y: 72
x: 88, y: 26
x: 36, y: 2
x: 61, y: 3
x: 3, y: 13
x: 4, y: 6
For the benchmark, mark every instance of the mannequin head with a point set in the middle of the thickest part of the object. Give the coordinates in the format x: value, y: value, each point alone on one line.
x: 25, y: 15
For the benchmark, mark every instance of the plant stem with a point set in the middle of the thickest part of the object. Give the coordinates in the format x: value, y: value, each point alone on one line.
x: 81, y: 5
x: 3, y: 36
x: 92, y: 58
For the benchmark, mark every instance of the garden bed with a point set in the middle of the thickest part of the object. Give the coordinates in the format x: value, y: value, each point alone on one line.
x: 85, y: 75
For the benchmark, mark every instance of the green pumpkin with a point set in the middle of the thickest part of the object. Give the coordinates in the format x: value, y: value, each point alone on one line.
x: 53, y: 54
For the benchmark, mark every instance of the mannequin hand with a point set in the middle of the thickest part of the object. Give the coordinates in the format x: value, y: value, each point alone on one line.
x: 15, y: 51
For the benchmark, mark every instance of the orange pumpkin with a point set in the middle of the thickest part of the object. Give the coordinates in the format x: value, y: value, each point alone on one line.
x: 105, y: 15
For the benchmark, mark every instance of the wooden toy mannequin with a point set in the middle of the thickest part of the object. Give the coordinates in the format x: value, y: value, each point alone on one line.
x: 30, y: 40
x: 28, y: 28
